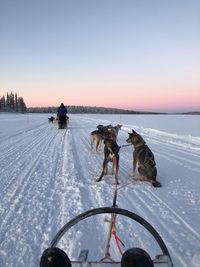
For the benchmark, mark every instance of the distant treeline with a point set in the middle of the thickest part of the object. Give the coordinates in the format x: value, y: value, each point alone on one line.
x: 12, y: 103
x: 86, y: 109
x: 192, y: 113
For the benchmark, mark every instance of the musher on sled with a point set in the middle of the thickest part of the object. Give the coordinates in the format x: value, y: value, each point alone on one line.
x: 62, y: 117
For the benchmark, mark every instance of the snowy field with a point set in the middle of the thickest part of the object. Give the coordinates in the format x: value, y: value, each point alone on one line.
x: 47, y: 176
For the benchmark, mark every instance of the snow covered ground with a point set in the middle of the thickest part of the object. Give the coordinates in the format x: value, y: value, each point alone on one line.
x: 47, y: 176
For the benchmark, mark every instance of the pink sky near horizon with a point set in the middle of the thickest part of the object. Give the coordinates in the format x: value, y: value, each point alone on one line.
x: 153, y: 91
x: 142, y: 93
x: 141, y: 99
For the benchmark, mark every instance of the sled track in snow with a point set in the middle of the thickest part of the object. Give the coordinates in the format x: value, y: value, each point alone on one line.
x: 20, y: 133
x: 25, y: 151
x: 9, y: 149
x: 175, y: 217
x: 17, y: 193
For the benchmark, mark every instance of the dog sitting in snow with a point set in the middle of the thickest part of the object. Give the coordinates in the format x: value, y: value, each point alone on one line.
x: 111, y: 154
x: 143, y: 156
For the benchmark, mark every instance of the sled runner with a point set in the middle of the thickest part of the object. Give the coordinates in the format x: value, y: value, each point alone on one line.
x: 163, y: 260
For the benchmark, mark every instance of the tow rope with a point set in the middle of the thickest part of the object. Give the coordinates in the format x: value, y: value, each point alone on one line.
x: 118, y: 241
x: 112, y: 221
x: 112, y: 230
x: 125, y: 145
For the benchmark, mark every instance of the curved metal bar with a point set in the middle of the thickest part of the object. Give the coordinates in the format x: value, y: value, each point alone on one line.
x: 114, y: 210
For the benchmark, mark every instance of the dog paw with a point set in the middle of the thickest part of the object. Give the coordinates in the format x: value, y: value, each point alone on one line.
x: 156, y: 184
x: 98, y: 180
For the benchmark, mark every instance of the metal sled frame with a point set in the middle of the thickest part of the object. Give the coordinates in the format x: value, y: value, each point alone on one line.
x: 163, y: 260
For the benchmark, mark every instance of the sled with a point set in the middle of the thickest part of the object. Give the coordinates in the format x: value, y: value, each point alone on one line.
x: 63, y: 124
x: 162, y: 260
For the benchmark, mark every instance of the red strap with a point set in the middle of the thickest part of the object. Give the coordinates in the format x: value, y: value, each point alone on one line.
x: 117, y: 240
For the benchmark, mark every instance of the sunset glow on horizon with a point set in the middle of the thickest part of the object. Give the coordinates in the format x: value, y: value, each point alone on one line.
x: 136, y: 55
x: 157, y: 102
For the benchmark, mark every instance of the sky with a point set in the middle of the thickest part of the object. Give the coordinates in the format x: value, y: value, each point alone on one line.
x: 131, y: 54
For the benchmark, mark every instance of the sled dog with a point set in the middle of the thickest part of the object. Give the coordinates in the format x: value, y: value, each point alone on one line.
x: 116, y: 129
x: 111, y: 154
x: 144, y: 157
x: 99, y: 135
x: 96, y: 137
x: 51, y: 119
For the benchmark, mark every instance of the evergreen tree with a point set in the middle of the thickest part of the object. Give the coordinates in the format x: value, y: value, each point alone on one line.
x: 7, y: 102
x: 3, y: 101
x: 21, y: 105
x: 12, y: 103
x: 16, y: 103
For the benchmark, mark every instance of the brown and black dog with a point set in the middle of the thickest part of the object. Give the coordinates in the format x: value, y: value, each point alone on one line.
x: 111, y: 154
x: 112, y: 131
x: 116, y: 129
x: 97, y: 136
x: 103, y: 132
x: 144, y: 157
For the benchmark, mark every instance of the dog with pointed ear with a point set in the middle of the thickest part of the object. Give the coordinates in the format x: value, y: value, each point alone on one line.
x: 111, y: 154
x: 144, y: 158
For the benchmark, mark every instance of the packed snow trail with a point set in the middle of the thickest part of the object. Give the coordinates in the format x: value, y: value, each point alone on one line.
x: 47, y: 177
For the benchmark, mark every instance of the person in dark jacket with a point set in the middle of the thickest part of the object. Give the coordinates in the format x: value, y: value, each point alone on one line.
x: 136, y: 257
x: 62, y: 116
x: 54, y: 257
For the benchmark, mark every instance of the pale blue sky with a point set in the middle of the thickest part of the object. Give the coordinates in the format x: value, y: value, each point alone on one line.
x: 67, y: 49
